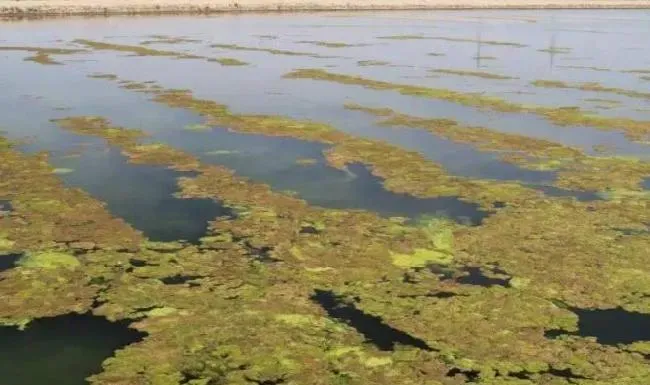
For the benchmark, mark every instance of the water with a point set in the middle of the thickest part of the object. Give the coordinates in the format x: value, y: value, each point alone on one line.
x: 67, y: 348
x: 8, y: 261
x: 629, y: 327
x: 373, y: 328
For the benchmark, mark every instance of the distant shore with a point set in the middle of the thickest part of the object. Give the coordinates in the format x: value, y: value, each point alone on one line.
x: 38, y: 8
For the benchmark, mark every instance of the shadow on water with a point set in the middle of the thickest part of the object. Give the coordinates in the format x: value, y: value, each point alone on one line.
x: 373, y: 328
x: 143, y: 196
x: 609, y: 326
x: 68, y: 348
x: 8, y: 261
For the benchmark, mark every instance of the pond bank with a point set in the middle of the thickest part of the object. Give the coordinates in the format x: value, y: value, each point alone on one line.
x: 38, y: 8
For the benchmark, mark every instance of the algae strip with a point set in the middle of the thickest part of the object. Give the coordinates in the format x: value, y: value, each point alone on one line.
x: 591, y: 86
x: 403, y: 171
x: 272, y: 51
x: 563, y: 116
x: 575, y: 170
x: 145, y: 51
x: 42, y: 55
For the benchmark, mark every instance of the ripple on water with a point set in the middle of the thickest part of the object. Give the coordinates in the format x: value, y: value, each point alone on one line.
x: 68, y: 348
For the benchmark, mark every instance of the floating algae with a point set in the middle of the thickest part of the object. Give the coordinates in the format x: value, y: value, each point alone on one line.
x: 42, y: 54
x: 592, y: 86
x: 330, y: 44
x: 575, y: 169
x: 562, y: 116
x: 137, y: 50
x: 272, y: 51
x: 453, y: 40
x: 248, y: 320
x: 478, y: 74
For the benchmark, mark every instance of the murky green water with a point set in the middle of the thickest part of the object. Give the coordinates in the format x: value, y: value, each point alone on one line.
x: 607, y: 47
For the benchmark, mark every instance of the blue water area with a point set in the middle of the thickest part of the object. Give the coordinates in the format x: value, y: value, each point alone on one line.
x: 8, y: 261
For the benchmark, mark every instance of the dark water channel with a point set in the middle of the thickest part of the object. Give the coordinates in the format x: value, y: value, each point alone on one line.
x: 143, y: 196
x: 61, y: 350
x: 609, y: 326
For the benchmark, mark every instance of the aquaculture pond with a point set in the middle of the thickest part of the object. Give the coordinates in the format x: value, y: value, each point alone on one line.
x: 432, y: 198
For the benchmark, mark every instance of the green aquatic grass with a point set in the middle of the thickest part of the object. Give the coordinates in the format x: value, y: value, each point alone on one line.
x: 563, y: 116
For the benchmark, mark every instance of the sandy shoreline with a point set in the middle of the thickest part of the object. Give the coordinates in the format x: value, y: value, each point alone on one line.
x: 36, y: 8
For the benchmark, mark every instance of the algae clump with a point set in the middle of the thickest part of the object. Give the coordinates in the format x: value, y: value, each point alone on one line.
x: 49, y: 260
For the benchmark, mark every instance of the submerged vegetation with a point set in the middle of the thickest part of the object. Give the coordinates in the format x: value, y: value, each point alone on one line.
x: 562, y: 116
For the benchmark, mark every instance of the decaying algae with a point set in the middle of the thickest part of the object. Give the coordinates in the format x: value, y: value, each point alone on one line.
x: 563, y: 116
x: 138, y: 50
x: 42, y: 55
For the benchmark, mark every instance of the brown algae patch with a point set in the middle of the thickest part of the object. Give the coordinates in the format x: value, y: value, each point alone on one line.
x: 478, y: 74
x: 145, y: 51
x: 272, y: 51
x: 42, y: 55
x: 563, y: 116
x: 591, y: 86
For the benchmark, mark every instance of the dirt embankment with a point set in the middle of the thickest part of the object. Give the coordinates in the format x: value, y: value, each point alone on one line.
x: 25, y: 8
